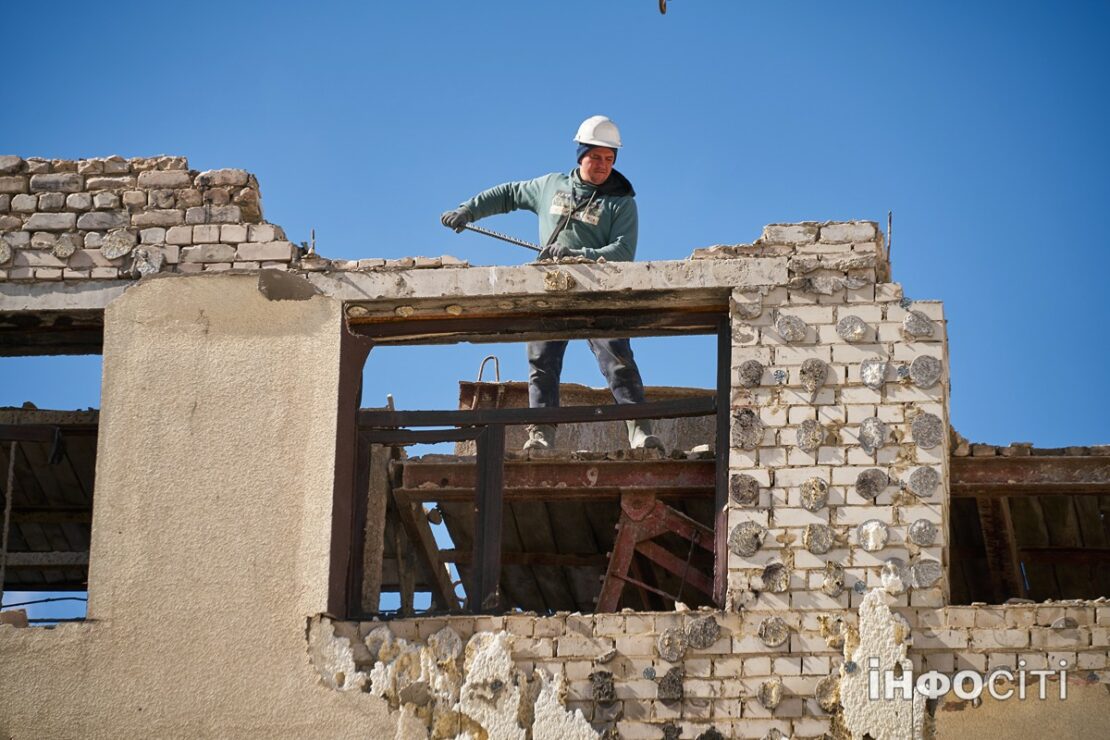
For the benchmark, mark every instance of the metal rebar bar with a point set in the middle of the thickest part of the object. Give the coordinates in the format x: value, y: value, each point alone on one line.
x: 504, y: 237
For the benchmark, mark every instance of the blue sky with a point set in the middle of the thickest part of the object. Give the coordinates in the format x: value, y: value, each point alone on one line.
x: 982, y: 125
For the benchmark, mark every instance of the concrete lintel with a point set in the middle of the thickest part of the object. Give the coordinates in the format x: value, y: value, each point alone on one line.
x: 520, y: 280
x: 88, y: 295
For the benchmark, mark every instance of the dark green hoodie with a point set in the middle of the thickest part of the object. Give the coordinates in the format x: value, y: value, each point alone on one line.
x: 605, y: 228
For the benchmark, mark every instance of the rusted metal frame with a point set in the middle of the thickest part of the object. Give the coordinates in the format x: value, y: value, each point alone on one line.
x: 673, y: 409
x: 346, y: 527
x: 676, y: 565
x: 639, y: 523
x: 1066, y: 555
x: 1000, y: 544
x: 585, y: 474
x: 571, y: 560
x: 641, y: 585
x: 550, y: 326
x: 721, y: 448
x: 454, y: 495
x: 1030, y: 476
x: 484, y: 594
x: 358, y: 533
x: 424, y: 543
x: 398, y: 437
x: 645, y: 585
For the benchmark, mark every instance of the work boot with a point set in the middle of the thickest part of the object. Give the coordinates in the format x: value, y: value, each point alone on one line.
x: 540, y: 437
x: 640, y: 436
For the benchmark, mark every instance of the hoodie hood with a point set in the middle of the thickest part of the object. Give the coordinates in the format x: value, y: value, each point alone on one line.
x: 616, y: 184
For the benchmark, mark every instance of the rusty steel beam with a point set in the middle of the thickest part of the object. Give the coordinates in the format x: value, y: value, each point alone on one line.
x: 720, y: 478
x: 485, y: 593
x: 454, y: 494
x: 537, y: 475
x: 674, y: 409
x: 1030, y: 476
x: 571, y: 560
x: 520, y: 325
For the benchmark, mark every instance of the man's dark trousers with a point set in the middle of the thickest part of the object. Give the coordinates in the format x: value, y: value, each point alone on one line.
x: 614, y: 358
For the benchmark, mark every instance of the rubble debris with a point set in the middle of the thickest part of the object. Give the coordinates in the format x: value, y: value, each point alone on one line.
x: 601, y: 684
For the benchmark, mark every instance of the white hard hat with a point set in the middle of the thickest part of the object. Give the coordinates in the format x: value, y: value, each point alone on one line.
x: 599, y: 131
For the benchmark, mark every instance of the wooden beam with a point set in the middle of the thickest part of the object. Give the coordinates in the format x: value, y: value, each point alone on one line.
x: 1030, y: 476
x: 454, y: 494
x: 1001, y: 548
x: 42, y: 560
x: 1066, y: 555
x: 423, y: 541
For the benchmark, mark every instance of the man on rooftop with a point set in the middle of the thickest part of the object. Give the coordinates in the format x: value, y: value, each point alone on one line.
x: 589, y: 212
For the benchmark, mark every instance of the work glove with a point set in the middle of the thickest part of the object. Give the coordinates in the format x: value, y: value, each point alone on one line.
x: 556, y: 251
x: 456, y: 219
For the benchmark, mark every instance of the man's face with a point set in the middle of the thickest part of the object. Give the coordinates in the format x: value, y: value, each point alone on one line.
x: 597, y: 164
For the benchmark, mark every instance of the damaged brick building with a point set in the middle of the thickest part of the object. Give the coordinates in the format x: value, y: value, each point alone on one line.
x: 818, y: 522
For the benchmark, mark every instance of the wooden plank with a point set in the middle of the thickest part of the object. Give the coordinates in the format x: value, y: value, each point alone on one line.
x: 1063, y: 531
x: 1001, y: 548
x: 528, y: 326
x: 683, y: 475
x: 1030, y: 531
x: 406, y: 570
x: 1071, y: 556
x: 570, y: 560
x: 574, y: 534
x: 415, y: 523
x: 534, y: 526
x: 1029, y: 476
x: 968, y: 549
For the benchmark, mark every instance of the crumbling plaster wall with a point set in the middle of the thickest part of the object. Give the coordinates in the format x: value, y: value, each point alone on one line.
x: 211, y: 529
x: 644, y: 675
